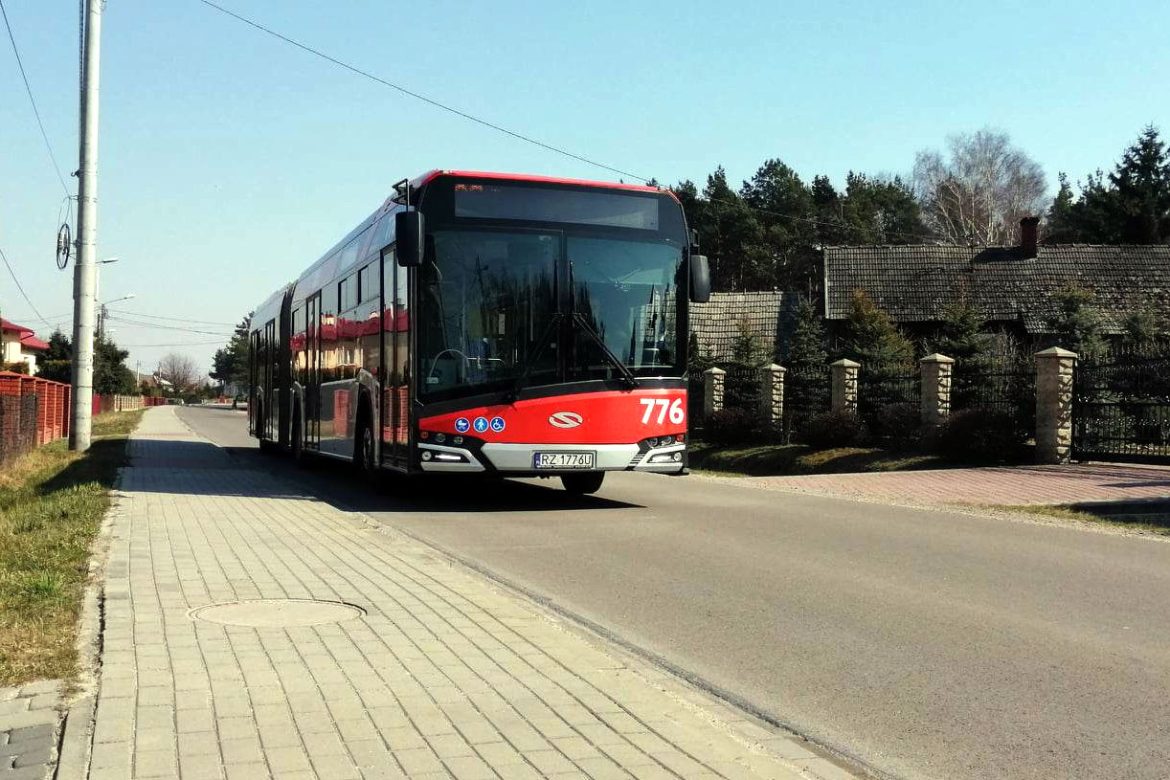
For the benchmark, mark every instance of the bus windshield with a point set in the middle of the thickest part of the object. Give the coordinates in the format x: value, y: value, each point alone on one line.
x: 490, y: 316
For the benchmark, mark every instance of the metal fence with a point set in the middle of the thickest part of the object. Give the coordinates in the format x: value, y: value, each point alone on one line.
x: 807, y: 394
x: 1003, y: 384
x: 889, y: 405
x: 1121, y: 404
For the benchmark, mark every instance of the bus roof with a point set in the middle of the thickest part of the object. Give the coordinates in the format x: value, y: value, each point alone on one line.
x: 429, y: 175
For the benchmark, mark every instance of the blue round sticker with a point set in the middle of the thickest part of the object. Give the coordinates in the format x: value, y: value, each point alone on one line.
x: 498, y: 424
x: 462, y: 425
x: 481, y: 424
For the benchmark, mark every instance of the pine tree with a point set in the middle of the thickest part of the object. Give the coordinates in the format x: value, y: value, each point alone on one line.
x: 806, y: 383
x: 1142, y: 182
x: 1076, y: 325
x: 1060, y: 227
x: 873, y: 340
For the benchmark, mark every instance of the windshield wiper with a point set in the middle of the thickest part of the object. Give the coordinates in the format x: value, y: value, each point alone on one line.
x: 622, y: 368
x: 514, y: 393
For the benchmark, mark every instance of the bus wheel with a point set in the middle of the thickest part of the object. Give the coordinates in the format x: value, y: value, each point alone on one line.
x: 583, y: 484
x: 363, y: 456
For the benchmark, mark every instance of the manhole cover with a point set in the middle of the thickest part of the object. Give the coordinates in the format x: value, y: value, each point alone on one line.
x: 278, y: 613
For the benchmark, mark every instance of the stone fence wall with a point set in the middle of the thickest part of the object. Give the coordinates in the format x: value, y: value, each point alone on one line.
x: 1053, y: 396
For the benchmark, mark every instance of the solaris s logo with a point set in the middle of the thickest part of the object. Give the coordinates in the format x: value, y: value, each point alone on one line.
x: 565, y: 419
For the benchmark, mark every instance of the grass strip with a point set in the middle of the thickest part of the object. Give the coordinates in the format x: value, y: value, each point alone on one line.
x: 1147, y: 523
x: 52, y: 502
x: 781, y: 459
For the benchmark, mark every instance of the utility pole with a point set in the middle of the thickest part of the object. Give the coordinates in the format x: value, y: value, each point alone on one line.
x: 84, y: 272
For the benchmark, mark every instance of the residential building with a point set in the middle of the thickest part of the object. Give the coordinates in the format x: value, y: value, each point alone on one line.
x: 19, y: 344
x: 1012, y: 287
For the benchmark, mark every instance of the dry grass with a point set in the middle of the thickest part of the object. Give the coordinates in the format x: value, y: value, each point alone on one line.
x: 779, y: 459
x: 51, y: 505
x: 1158, y: 525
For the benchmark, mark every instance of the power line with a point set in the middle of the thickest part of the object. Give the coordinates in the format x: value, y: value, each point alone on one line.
x: 21, y: 288
x: 177, y: 344
x: 173, y: 319
x: 423, y: 98
x: 33, y: 100
x: 157, y: 326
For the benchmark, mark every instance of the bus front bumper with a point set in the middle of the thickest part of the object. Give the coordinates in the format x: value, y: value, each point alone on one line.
x: 519, y: 459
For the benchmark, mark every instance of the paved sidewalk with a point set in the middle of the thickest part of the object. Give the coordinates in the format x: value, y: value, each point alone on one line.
x: 29, y: 717
x: 1011, y: 485
x: 375, y: 657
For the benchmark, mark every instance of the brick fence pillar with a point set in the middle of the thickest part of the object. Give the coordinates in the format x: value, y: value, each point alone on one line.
x: 1054, y: 404
x: 713, y: 379
x: 772, y: 393
x: 844, y: 381
x: 936, y: 373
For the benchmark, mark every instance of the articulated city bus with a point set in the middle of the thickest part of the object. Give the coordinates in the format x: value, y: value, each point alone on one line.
x: 491, y: 324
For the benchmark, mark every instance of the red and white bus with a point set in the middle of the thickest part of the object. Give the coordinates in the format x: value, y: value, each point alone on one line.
x: 491, y: 324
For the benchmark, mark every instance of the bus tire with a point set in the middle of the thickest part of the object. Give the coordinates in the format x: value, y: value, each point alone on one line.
x: 583, y: 484
x: 363, y: 444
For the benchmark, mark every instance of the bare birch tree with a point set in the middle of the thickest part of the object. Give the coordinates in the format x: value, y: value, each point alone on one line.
x: 180, y: 371
x: 980, y: 191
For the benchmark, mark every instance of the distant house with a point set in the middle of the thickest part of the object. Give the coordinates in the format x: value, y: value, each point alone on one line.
x: 717, y: 325
x: 1012, y: 286
x: 19, y: 344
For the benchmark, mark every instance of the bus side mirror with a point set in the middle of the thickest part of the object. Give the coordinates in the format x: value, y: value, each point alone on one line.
x: 700, y: 279
x: 409, y: 235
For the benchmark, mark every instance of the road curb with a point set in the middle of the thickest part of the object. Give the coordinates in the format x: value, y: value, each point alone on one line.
x: 76, y: 742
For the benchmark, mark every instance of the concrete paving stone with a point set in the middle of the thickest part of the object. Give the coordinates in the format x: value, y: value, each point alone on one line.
x: 155, y: 739
x: 601, y: 768
x: 575, y: 748
x: 418, y: 761
x: 680, y: 763
x: 335, y: 767
x: 627, y: 755
x: 39, y: 755
x: 195, y: 720
x: 449, y: 746
x: 323, y: 744
x: 469, y: 768
x: 499, y: 754
x: 549, y: 762
x: 236, y: 727
x: 155, y: 763
x: 198, y: 743
x: 356, y: 729
x: 31, y: 733
x: 200, y: 766
x: 279, y: 735
x: 287, y: 759
x: 41, y: 687
x: 240, y: 750
x: 253, y: 771
x: 26, y: 773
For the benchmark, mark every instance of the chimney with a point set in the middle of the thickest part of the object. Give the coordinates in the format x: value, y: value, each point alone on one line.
x: 1029, y: 230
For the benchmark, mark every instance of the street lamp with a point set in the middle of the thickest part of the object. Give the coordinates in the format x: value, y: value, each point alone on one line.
x: 102, y: 313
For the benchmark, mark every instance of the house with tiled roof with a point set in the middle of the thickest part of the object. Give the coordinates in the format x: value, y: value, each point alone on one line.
x: 1011, y: 286
x: 717, y: 324
x: 19, y: 344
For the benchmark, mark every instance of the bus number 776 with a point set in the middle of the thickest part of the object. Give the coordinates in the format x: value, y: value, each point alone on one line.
x: 665, y: 407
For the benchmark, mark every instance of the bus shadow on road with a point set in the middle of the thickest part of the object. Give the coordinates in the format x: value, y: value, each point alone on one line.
x: 335, y: 483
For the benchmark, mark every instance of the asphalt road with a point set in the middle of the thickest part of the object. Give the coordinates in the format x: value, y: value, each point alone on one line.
x: 925, y: 644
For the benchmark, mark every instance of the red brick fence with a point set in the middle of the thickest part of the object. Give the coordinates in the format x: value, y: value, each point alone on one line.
x: 37, y: 411
x: 32, y: 412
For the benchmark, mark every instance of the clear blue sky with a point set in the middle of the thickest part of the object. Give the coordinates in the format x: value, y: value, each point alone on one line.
x: 230, y: 160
